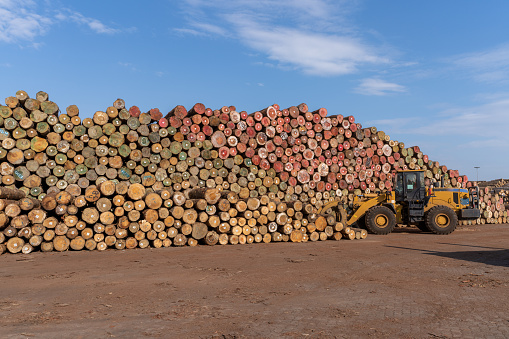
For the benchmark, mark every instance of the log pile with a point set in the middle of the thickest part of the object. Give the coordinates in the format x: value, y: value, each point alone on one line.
x: 126, y: 178
x: 494, y: 204
x: 498, y: 183
x: 110, y: 217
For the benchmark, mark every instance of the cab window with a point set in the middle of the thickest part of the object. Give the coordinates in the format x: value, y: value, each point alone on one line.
x: 411, y: 181
x: 464, y: 200
x: 399, y: 185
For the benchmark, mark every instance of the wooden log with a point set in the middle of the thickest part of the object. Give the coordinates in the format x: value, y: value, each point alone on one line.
x: 15, y: 244
x: 200, y: 231
x: 180, y: 240
x: 92, y: 194
x: 296, y: 236
x: 136, y: 191
x: 37, y: 216
x: 179, y: 198
x: 61, y: 243
x: 153, y: 201
x: 4, y: 220
x: 47, y: 246
x: 27, y: 204
x: 77, y: 243
x: 36, y: 240
x: 9, y: 232
x: 20, y: 221
x: 49, y: 202
x: 320, y: 223
x: 107, y: 187
x: 189, y: 216
x: 107, y: 218
x: 186, y: 229
x: 11, y: 194
x: 12, y: 210
x: 90, y: 215
x: 4, y: 203
x: 212, y: 238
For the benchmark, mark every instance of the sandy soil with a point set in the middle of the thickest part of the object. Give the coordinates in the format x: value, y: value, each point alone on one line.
x: 406, y: 285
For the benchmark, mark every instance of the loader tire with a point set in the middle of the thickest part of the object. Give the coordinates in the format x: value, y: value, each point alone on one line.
x: 422, y: 226
x: 361, y: 222
x: 441, y: 220
x: 380, y: 220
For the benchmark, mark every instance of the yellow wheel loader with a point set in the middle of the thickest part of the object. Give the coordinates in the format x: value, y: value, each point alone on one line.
x: 436, y: 210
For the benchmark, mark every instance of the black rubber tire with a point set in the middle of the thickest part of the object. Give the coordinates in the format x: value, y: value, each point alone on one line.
x: 441, y: 220
x: 422, y: 226
x: 380, y: 220
x: 361, y: 223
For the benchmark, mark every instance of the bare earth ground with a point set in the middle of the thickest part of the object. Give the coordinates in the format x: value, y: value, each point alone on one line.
x: 404, y: 285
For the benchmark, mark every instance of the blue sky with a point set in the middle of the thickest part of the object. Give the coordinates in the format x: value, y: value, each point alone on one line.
x: 431, y: 73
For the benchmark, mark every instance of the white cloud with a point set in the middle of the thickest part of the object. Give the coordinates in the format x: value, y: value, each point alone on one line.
x: 188, y: 31
x: 209, y: 28
x: 127, y: 65
x: 24, y: 20
x: 488, y: 121
x: 202, y: 29
x: 483, y: 121
x: 488, y: 66
x: 314, y: 53
x: 460, y: 137
x: 20, y: 22
x: 311, y: 36
x: 265, y: 8
x: 94, y: 24
x: 378, y: 87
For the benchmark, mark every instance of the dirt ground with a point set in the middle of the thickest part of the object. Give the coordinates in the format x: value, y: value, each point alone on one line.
x: 405, y: 285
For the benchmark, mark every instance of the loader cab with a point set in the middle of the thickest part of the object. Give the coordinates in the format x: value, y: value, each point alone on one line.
x: 409, y: 186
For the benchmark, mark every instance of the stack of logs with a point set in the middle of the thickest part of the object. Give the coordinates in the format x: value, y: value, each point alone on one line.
x: 113, y: 216
x: 493, y: 203
x: 83, y: 173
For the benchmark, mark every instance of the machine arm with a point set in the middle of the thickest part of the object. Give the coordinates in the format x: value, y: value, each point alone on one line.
x: 365, y: 206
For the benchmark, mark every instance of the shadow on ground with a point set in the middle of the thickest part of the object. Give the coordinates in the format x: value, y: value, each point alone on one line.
x: 486, y: 255
x: 409, y: 229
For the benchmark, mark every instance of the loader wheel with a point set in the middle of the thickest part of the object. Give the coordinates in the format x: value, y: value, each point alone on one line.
x: 361, y: 222
x: 441, y: 220
x: 380, y: 220
x: 422, y: 226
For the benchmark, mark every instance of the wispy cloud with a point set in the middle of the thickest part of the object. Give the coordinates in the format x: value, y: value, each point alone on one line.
x: 259, y: 84
x: 374, y: 86
x: 20, y: 21
x: 202, y: 29
x: 209, y: 28
x: 474, y: 124
x: 483, y: 121
x: 490, y: 66
x: 460, y: 137
x: 313, y: 53
x: 188, y: 31
x: 25, y: 20
x: 128, y: 65
x: 93, y: 24
x: 313, y: 37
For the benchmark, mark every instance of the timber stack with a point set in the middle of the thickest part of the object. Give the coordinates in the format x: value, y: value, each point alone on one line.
x: 493, y: 203
x: 126, y: 178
